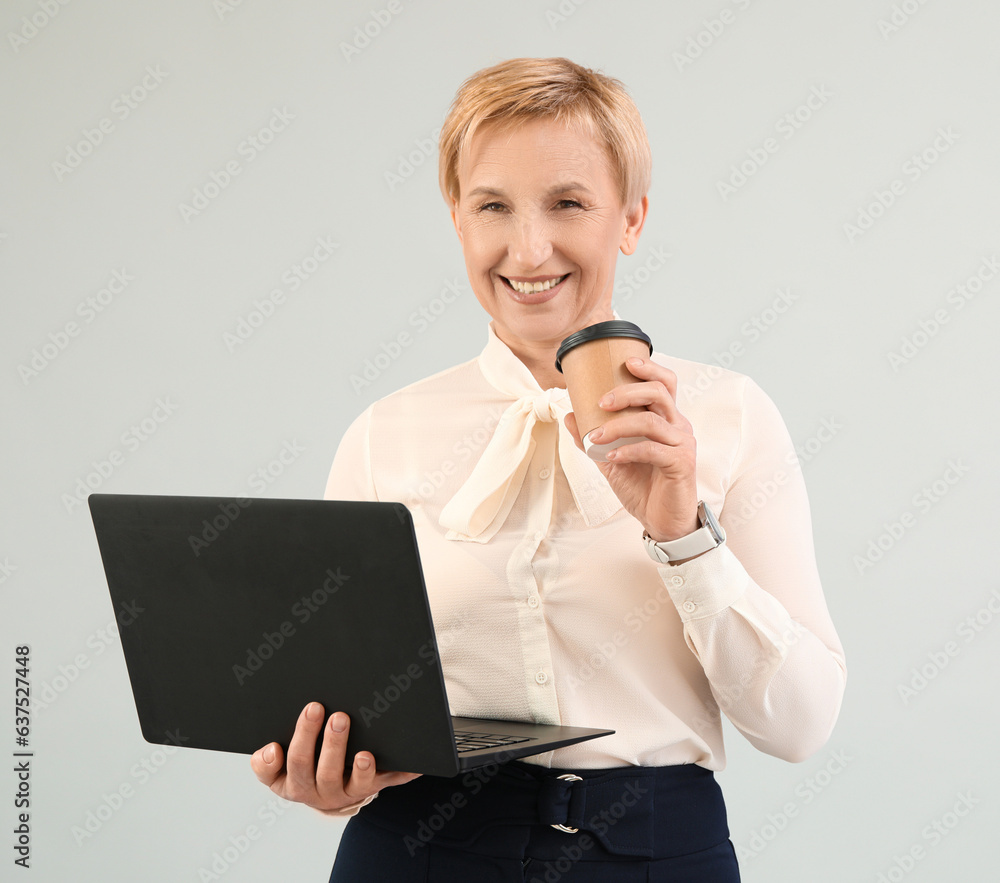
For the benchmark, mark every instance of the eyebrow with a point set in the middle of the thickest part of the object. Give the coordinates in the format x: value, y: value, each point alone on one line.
x: 552, y: 191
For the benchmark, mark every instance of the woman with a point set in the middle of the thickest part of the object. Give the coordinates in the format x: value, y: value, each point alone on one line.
x: 556, y: 593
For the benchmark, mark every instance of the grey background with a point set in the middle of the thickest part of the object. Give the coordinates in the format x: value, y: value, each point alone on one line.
x: 225, y: 69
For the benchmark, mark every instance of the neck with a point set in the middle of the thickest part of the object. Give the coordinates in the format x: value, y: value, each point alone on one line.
x: 539, y: 356
x: 540, y: 360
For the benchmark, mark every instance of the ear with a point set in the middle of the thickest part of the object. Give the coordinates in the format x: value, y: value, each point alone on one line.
x: 635, y: 218
x: 454, y: 219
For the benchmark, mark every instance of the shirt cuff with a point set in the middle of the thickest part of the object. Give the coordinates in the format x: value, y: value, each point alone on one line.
x: 346, y: 811
x: 706, y: 585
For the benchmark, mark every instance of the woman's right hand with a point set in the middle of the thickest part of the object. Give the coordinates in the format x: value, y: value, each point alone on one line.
x: 321, y: 784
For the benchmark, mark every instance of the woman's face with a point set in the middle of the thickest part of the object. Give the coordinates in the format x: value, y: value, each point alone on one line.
x: 540, y: 209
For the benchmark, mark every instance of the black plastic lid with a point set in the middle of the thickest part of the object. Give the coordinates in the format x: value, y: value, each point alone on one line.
x: 614, y: 328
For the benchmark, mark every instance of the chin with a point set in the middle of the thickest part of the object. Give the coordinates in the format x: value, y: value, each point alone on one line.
x: 551, y: 327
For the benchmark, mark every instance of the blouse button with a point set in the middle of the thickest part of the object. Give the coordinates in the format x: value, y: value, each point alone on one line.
x: 541, y: 677
x: 545, y: 473
x: 677, y: 581
x: 689, y: 606
x: 533, y: 601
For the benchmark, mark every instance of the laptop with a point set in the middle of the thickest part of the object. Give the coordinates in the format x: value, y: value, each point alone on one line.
x: 240, y: 611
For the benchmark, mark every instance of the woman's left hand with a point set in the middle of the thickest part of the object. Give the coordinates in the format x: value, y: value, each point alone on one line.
x: 654, y: 479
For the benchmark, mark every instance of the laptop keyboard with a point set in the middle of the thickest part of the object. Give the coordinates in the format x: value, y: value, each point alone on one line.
x: 466, y: 740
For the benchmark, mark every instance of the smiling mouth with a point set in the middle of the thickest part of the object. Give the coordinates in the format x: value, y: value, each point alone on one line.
x: 533, y: 287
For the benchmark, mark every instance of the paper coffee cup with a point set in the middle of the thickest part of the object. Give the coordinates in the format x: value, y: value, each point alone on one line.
x: 593, y: 362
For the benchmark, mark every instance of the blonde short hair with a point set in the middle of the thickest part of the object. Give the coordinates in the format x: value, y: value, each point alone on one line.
x: 524, y: 89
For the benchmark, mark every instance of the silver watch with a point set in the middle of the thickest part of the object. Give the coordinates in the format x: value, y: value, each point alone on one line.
x: 707, y: 537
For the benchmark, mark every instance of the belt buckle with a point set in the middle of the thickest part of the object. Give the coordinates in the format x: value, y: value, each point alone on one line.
x: 569, y: 777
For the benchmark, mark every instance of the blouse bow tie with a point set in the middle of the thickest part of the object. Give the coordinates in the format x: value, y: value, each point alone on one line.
x: 481, y: 505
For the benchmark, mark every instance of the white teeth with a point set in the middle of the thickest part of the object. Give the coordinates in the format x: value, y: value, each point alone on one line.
x: 531, y: 287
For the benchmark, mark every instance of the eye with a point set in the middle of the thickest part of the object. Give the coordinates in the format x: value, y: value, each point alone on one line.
x: 570, y: 203
x: 490, y: 207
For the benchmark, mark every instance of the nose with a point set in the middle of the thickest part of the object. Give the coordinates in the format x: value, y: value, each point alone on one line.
x: 531, y: 245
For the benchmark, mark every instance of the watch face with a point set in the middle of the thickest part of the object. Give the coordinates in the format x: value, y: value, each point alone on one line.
x: 712, y: 524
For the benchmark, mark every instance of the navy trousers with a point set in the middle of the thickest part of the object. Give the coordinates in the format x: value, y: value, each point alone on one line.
x: 498, y: 825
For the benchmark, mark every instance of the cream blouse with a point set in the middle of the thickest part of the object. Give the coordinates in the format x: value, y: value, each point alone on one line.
x: 547, y: 607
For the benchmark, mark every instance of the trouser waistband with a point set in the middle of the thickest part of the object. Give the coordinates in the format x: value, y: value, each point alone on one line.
x: 641, y: 812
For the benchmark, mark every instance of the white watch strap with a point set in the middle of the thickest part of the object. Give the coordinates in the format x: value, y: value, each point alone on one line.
x: 705, y: 538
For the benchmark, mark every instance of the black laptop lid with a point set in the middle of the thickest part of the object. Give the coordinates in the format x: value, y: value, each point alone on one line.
x: 249, y: 609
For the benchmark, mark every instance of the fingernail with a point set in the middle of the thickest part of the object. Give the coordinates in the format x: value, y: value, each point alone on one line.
x: 338, y: 723
x: 596, y: 434
x: 363, y: 763
x: 607, y: 401
x: 634, y: 361
x: 312, y: 711
x: 268, y: 753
